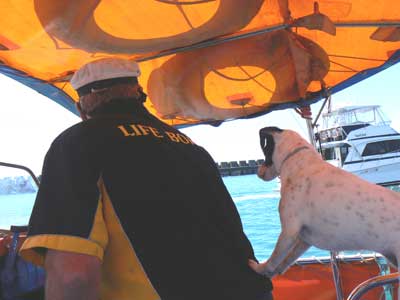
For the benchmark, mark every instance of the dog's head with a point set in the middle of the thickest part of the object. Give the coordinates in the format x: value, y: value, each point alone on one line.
x: 267, y: 170
x: 278, y: 145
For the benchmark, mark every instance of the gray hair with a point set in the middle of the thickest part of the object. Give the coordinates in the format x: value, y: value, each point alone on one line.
x: 97, y: 98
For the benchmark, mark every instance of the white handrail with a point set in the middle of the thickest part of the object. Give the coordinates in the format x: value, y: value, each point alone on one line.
x: 373, y: 282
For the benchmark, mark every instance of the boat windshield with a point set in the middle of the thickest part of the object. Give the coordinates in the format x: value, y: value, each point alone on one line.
x: 355, y: 115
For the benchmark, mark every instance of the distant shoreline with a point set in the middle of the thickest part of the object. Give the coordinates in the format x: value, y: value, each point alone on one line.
x: 17, y: 185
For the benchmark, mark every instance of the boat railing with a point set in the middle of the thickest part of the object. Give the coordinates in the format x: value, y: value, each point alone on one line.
x: 384, y: 279
x: 337, y: 280
x: 26, y: 169
x: 332, y: 134
x: 374, y: 282
x: 342, y: 258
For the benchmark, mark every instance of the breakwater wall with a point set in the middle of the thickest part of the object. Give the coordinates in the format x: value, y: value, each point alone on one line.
x: 241, y: 167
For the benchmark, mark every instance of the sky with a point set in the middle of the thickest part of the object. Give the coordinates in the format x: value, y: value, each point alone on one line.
x: 29, y: 121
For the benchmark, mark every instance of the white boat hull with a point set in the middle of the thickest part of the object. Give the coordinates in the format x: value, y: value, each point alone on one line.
x: 382, y: 171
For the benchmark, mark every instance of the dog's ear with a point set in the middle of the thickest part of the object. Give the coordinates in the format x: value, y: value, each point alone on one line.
x: 271, y: 129
x: 267, y: 143
x: 267, y: 146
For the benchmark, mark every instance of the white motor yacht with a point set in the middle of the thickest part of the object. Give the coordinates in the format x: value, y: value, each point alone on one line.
x: 359, y: 139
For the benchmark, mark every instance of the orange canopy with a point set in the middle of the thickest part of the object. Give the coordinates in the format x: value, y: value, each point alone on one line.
x: 203, y: 60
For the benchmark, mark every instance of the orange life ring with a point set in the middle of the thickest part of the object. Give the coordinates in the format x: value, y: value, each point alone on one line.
x: 72, y: 21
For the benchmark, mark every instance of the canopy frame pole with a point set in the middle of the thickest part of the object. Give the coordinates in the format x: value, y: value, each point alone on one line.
x: 305, y: 113
x: 311, y: 134
x: 213, y: 42
x: 230, y: 38
x: 368, y: 24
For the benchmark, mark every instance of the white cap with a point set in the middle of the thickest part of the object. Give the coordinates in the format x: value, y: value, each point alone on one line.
x: 105, y: 68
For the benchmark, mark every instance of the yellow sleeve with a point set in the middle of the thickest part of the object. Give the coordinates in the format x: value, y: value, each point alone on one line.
x: 34, y: 248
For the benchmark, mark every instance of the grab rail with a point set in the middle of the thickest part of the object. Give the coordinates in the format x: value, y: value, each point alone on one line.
x: 35, y: 179
x: 371, y: 283
x: 336, y: 275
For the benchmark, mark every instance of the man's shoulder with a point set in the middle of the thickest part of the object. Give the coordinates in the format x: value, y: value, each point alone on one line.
x: 75, y: 131
x: 82, y: 133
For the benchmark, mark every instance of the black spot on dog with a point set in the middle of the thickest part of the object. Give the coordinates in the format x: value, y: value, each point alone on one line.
x: 308, y: 185
x: 360, y: 215
x: 329, y: 184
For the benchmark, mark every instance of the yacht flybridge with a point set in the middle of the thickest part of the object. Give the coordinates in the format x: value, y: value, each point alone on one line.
x: 359, y: 139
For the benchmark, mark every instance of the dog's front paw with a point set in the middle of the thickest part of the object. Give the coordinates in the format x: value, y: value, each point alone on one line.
x: 260, y: 268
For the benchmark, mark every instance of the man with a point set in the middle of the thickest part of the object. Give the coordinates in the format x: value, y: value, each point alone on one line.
x: 130, y: 208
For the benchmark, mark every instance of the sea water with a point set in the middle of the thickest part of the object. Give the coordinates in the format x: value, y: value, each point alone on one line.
x: 15, y: 209
x: 256, y: 200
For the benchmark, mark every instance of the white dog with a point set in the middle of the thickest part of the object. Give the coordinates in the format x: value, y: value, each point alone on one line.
x: 324, y: 206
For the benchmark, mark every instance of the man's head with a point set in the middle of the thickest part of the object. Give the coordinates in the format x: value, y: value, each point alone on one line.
x: 99, y: 82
